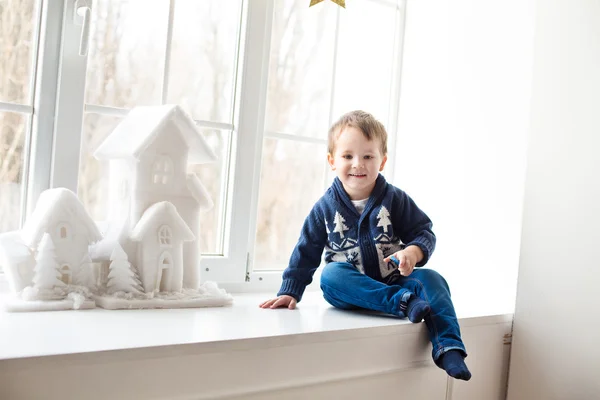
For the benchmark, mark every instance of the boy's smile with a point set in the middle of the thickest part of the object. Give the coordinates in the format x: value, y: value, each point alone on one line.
x: 357, y: 162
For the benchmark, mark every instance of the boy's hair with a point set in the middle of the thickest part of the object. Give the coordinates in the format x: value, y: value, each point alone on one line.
x: 370, y: 127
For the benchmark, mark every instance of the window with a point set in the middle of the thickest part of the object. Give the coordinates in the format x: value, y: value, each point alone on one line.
x: 18, y: 44
x: 263, y: 80
x: 165, y: 236
x: 63, y: 232
x: 162, y: 171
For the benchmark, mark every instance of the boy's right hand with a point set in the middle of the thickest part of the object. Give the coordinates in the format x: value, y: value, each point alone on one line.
x: 281, y: 301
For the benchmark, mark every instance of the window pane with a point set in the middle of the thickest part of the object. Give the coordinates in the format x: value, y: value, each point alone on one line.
x: 364, y: 81
x: 213, y: 177
x: 300, y: 68
x: 292, y: 180
x: 127, y: 52
x: 13, y: 128
x: 16, y: 49
x: 203, y: 57
x: 94, y: 174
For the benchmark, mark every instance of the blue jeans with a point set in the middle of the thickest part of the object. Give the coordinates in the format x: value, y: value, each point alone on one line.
x: 345, y: 287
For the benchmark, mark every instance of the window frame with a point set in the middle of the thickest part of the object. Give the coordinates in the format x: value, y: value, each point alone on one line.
x: 60, y: 105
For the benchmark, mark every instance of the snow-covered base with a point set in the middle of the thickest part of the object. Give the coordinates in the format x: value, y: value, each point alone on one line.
x: 67, y: 297
x: 208, y: 295
x: 20, y: 305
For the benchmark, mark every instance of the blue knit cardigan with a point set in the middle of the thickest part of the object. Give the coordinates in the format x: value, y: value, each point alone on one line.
x: 390, y: 221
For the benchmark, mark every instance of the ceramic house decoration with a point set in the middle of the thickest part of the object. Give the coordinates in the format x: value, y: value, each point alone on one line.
x: 161, y: 223
x: 61, y: 216
x: 44, y: 257
x: 156, y: 208
x: 149, y: 254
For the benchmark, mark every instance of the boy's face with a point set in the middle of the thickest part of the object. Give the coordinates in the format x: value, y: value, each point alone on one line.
x: 357, y: 162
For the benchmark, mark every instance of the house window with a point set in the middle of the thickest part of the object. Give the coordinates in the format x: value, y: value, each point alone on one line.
x: 165, y: 236
x: 200, y: 55
x: 162, y: 172
x: 63, y: 231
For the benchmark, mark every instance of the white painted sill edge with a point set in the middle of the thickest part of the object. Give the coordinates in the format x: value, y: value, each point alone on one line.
x: 240, y: 326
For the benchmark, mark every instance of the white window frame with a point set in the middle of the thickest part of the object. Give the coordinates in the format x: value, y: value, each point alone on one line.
x: 60, y: 93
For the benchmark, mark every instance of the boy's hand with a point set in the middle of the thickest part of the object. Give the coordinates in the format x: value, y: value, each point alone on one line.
x: 406, y: 259
x: 281, y: 301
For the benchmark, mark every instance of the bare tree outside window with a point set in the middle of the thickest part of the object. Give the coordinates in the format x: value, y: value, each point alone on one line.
x: 16, y: 50
x: 128, y: 59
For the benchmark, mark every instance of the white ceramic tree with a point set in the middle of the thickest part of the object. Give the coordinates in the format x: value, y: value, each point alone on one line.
x: 121, y: 276
x: 46, y: 271
x: 85, y: 276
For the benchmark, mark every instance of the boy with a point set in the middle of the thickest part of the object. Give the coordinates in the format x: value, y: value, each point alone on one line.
x: 374, y: 235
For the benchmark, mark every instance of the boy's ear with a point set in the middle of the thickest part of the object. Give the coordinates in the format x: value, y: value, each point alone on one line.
x: 330, y: 160
x: 383, y: 163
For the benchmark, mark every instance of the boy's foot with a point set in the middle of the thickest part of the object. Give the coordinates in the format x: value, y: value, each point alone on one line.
x: 453, y: 363
x: 417, y: 309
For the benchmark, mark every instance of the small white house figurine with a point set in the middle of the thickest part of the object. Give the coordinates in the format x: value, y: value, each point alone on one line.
x: 44, y: 257
x: 149, y: 256
x: 60, y: 214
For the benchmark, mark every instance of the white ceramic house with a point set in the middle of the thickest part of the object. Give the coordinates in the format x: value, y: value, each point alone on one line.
x: 162, y: 233
x: 149, y: 153
x: 59, y: 213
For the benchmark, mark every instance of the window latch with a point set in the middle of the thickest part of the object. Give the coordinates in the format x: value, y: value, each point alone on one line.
x: 82, y: 15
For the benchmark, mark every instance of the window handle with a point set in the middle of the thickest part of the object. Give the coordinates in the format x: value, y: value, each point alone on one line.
x: 82, y: 16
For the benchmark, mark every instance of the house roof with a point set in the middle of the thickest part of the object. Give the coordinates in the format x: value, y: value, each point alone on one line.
x: 142, y: 125
x: 199, y: 192
x: 153, y: 218
x: 50, y: 202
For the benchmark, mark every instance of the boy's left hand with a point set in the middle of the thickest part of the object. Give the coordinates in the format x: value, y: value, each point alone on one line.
x: 406, y: 259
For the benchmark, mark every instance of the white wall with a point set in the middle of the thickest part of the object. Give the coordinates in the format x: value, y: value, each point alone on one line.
x: 464, y: 120
x: 557, y: 325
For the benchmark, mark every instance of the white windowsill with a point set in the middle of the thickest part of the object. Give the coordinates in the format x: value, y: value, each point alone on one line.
x: 243, y: 324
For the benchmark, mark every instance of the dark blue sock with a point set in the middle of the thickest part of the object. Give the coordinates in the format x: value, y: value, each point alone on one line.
x: 417, y: 309
x: 453, y: 363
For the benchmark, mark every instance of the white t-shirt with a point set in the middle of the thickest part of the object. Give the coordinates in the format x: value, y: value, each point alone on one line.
x: 360, y: 204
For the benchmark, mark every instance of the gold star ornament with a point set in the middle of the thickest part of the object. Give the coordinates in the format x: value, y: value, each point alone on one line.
x: 341, y: 3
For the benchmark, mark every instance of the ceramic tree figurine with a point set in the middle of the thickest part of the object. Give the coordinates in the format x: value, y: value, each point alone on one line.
x: 46, y: 272
x: 122, y: 277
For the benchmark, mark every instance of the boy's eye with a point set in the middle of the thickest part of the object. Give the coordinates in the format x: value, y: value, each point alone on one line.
x: 347, y: 156
x: 368, y: 157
